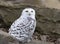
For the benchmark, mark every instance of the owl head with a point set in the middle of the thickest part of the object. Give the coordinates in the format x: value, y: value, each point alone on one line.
x: 28, y: 12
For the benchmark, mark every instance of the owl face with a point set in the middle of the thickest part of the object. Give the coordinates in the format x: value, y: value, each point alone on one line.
x: 28, y: 12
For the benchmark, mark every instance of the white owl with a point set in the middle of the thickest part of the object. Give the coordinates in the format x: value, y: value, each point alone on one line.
x: 23, y: 28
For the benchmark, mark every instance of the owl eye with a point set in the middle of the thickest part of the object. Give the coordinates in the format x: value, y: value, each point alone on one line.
x: 31, y: 11
x: 26, y: 11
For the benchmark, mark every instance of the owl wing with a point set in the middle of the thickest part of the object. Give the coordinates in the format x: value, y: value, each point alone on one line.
x: 23, y: 28
x: 18, y: 25
x: 32, y: 28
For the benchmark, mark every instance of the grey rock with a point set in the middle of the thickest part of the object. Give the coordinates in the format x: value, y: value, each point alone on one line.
x: 48, y: 19
x: 39, y: 42
x: 5, y: 38
x: 57, y: 41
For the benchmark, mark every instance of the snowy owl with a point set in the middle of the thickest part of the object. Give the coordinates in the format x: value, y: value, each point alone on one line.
x: 23, y: 28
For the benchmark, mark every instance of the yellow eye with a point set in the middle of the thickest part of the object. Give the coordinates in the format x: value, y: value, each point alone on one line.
x: 26, y: 11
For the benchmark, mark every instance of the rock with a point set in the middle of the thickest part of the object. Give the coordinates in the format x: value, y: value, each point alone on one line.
x: 2, y: 23
x: 52, y: 3
x: 19, y: 3
x: 39, y: 42
x: 43, y: 37
x: 5, y: 38
x: 48, y: 19
x: 3, y: 29
x: 57, y: 41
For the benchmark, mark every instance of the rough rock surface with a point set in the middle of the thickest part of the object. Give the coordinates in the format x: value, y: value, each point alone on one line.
x: 52, y: 3
x: 48, y: 20
x: 5, y: 38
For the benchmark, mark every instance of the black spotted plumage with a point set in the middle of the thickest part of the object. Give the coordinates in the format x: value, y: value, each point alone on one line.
x: 23, y: 28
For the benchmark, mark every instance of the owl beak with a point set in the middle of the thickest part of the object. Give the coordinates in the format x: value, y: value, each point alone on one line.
x: 29, y: 14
